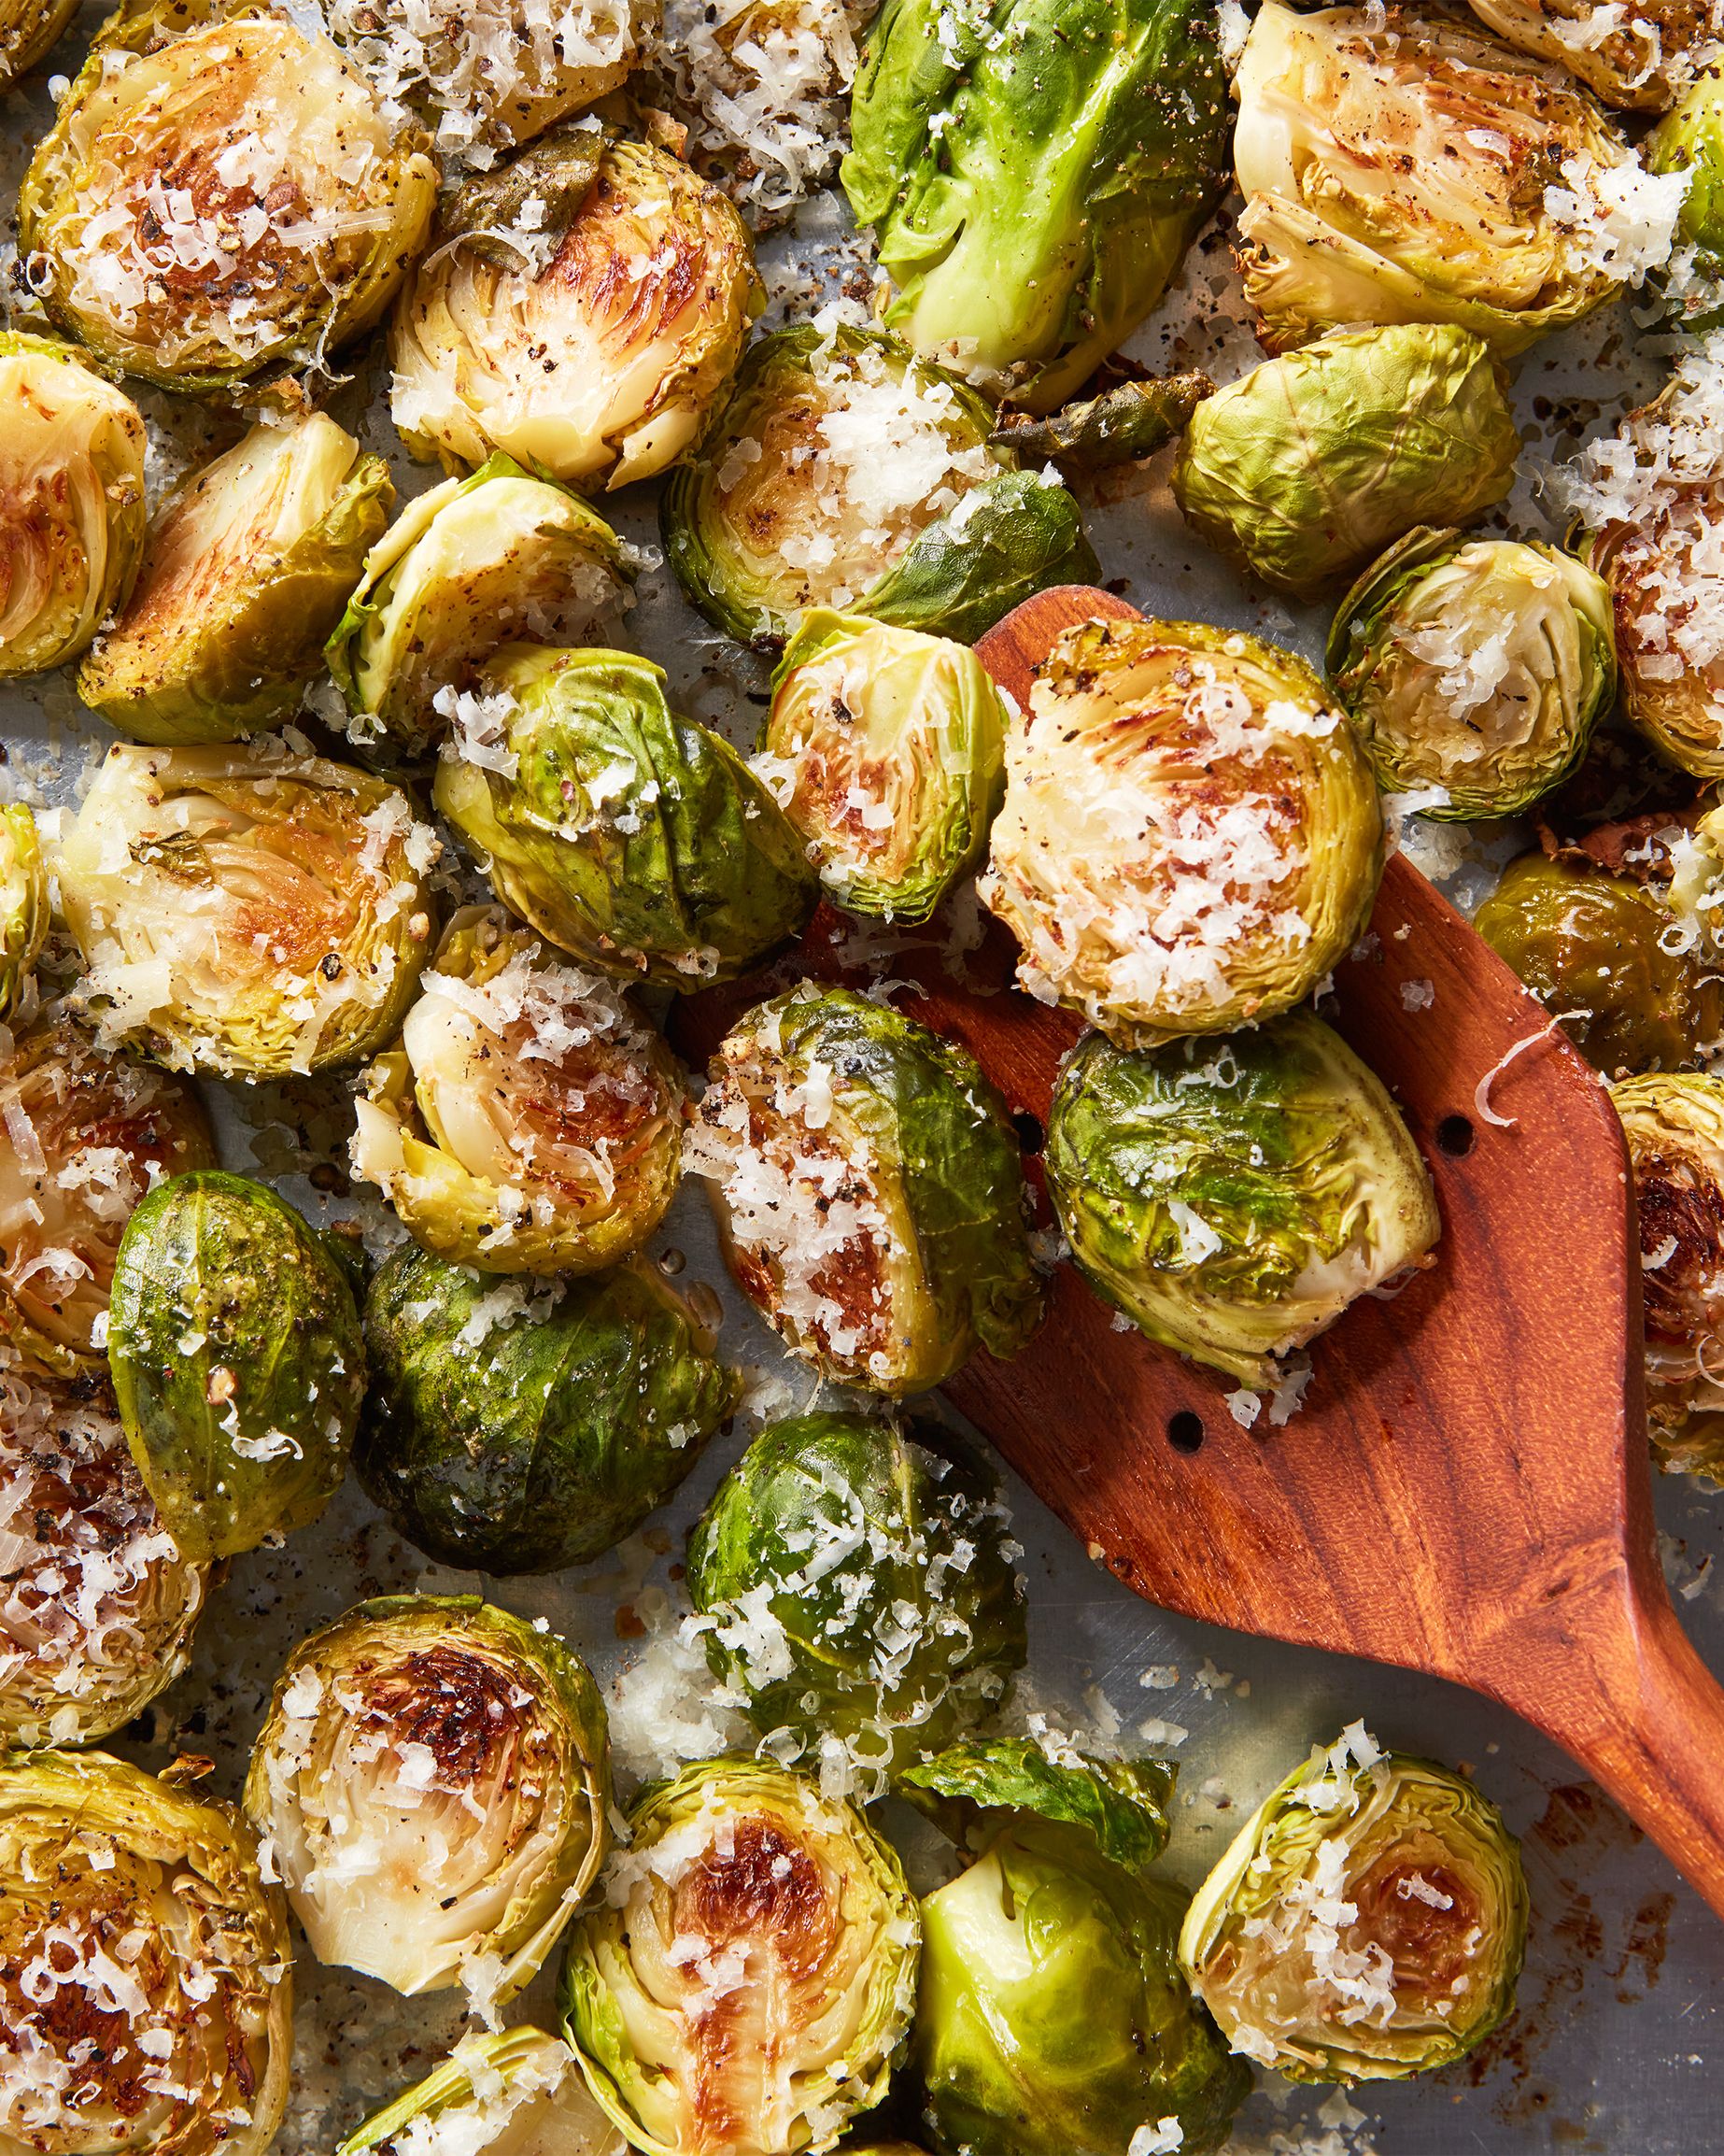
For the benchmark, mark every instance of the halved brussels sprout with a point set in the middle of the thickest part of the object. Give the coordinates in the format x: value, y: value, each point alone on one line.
x: 29, y: 30
x: 1368, y: 1922
x: 1233, y: 1197
x: 220, y: 193
x: 1191, y: 836
x: 1128, y: 421
x: 23, y: 907
x: 747, y: 1981
x: 474, y: 564
x: 515, y: 1426
x: 236, y: 1358
x: 601, y: 358
x: 1034, y: 174
x: 886, y: 749
x: 246, y: 911
x: 247, y: 569
x: 1309, y: 466
x: 434, y: 1780
x: 531, y: 1120
x: 869, y: 1191
x: 862, y: 1595
x: 516, y: 2092
x: 72, y: 476
x: 1474, y: 667
x: 634, y: 837
x: 1637, y: 59
x: 1409, y: 167
x: 1689, y: 140
x: 146, y: 1969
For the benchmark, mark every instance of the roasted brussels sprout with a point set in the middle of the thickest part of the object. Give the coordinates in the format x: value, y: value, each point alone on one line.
x: 247, y: 569
x: 1130, y: 420
x: 869, y: 1191
x: 599, y: 358
x: 886, y: 750
x: 747, y: 1980
x: 1034, y: 174
x: 236, y: 1358
x: 520, y: 1429
x: 862, y: 1595
x: 246, y: 911
x: 1190, y: 837
x: 1474, y: 668
x: 519, y: 2092
x: 220, y: 193
x: 633, y: 838
x: 434, y: 1780
x: 146, y: 1969
x: 72, y: 476
x: 29, y: 30
x: 1633, y: 59
x: 1368, y: 1922
x: 1233, y: 1197
x: 1689, y: 140
x: 23, y: 906
x: 1308, y: 468
x: 531, y: 1120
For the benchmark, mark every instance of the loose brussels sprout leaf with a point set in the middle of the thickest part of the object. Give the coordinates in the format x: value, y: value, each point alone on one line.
x: 1191, y: 836
x: 1689, y: 140
x: 1130, y: 420
x: 434, y: 1780
x: 71, y: 474
x: 1306, y: 468
x: 862, y: 1595
x: 746, y: 1982
x: 513, y: 214
x: 519, y: 2092
x: 236, y: 1359
x: 23, y: 907
x: 514, y: 1427
x: 1474, y: 668
x: 531, y: 1120
x: 602, y: 360
x: 633, y: 838
x: 29, y: 30
x: 1368, y: 1922
x: 146, y: 1969
x: 1233, y: 1197
x: 221, y: 192
x: 247, y: 571
x: 246, y: 911
x: 886, y: 750
x: 1010, y: 537
x: 1034, y: 174
x: 976, y: 1791
x: 869, y: 1191
x: 1636, y: 60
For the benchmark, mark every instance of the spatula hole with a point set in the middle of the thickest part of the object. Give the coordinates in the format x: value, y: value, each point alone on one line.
x: 1031, y: 1135
x: 1454, y: 1134
x: 1185, y: 1431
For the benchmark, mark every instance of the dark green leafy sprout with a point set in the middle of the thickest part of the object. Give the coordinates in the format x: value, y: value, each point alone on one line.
x: 23, y: 905
x: 515, y: 1427
x: 862, y: 1595
x: 634, y: 837
x: 29, y: 30
x: 1305, y: 470
x: 1638, y: 60
x: 518, y: 2093
x: 1004, y: 541
x: 886, y: 749
x: 869, y: 1191
x: 236, y: 1359
x: 1233, y: 1197
x: 1130, y: 420
x: 973, y: 1792
x: 742, y: 1880
x: 1033, y: 176
x: 247, y: 569
x: 1368, y: 1922
x: 1690, y: 139
x: 1474, y: 668
x: 434, y: 1778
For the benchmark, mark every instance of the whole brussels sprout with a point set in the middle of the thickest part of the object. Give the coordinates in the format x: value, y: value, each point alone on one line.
x: 1474, y: 667
x: 531, y: 1120
x: 886, y: 749
x: 1690, y: 140
x: 1233, y: 1197
x: 1367, y: 1922
x: 1305, y: 470
x: 104, y: 1867
x: 1034, y: 174
x: 519, y: 1429
x: 516, y: 2092
x: 221, y: 192
x: 741, y: 1882
x: 862, y: 1592
x: 236, y: 1358
x: 29, y: 30
x: 869, y: 1190
x: 634, y: 837
x: 247, y: 569
x: 1634, y: 59
x: 245, y: 910
x: 1120, y: 425
x: 72, y: 469
x: 24, y: 909
x: 433, y: 1777
x: 1191, y: 836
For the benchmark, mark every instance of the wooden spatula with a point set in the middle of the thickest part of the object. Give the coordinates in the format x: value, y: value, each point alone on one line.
x: 1466, y: 1488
